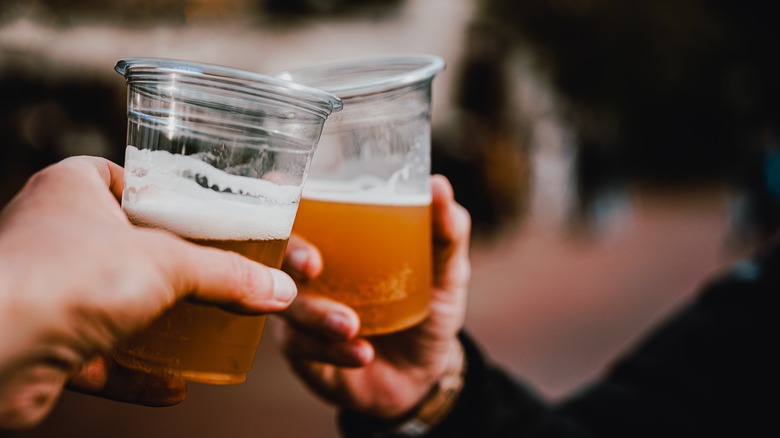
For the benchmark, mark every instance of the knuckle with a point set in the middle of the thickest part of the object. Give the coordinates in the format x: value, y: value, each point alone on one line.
x: 247, y: 280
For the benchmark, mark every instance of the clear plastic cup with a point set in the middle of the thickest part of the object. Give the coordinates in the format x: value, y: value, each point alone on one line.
x: 366, y: 202
x: 217, y: 156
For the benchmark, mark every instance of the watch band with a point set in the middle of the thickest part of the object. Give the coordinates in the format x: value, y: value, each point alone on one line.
x: 436, y: 405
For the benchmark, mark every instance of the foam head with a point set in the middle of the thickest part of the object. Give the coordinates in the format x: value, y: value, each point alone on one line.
x: 191, y: 198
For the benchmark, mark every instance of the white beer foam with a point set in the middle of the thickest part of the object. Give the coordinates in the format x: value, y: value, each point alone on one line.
x: 160, y: 192
x: 363, y: 190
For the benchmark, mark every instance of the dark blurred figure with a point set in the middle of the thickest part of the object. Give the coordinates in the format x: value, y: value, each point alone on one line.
x: 670, y: 94
x: 482, y: 150
x: 145, y: 13
x: 332, y: 8
x: 660, y: 95
x: 49, y: 112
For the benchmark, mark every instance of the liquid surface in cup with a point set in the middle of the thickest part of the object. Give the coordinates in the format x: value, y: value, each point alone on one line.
x: 377, y: 252
x: 191, y: 340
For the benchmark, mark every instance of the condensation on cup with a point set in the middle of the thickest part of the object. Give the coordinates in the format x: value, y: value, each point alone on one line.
x: 366, y: 202
x: 217, y: 156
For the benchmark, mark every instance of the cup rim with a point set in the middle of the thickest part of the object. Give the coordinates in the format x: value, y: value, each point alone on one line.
x: 367, y: 75
x: 292, y: 92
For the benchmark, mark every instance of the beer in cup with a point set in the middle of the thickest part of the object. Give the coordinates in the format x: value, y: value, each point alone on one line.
x: 217, y: 156
x: 366, y: 202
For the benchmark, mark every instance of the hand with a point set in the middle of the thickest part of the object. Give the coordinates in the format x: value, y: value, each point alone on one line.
x: 382, y: 377
x: 76, y: 277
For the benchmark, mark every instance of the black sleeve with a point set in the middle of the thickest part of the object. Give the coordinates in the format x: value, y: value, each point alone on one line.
x: 705, y: 373
x: 491, y: 404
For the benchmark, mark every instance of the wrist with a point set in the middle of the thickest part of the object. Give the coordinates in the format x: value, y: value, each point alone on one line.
x: 435, y: 406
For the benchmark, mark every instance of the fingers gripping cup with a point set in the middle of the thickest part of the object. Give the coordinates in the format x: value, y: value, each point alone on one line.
x: 219, y: 157
x: 366, y: 202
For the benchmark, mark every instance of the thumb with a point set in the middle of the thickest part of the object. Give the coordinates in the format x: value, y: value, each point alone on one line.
x: 226, y: 278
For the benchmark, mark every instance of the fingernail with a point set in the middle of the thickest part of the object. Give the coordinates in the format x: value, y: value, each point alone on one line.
x: 362, y: 354
x: 284, y: 287
x: 297, y: 260
x: 339, y: 323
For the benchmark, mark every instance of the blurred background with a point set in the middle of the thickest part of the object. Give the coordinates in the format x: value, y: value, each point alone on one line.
x: 577, y: 248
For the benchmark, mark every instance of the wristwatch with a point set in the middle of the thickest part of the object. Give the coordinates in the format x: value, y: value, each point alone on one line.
x: 436, y: 405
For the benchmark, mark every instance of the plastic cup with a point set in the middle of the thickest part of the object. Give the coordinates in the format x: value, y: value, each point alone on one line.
x: 366, y: 203
x: 217, y: 156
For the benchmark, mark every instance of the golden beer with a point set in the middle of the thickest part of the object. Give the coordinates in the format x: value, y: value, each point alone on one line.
x: 377, y: 256
x: 192, y: 340
x: 200, y: 342
x: 366, y: 203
